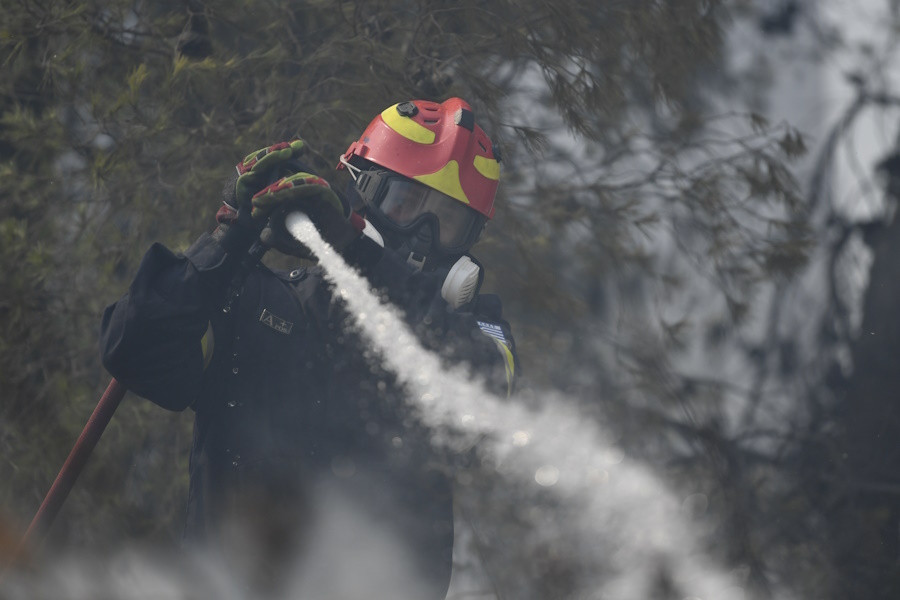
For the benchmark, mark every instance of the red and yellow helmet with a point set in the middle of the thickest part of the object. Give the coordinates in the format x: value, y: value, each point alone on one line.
x: 438, y: 145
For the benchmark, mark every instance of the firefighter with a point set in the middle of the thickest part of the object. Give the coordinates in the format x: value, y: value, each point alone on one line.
x: 288, y: 401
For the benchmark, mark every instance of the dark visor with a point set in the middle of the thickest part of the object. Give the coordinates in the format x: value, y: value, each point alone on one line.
x: 404, y: 202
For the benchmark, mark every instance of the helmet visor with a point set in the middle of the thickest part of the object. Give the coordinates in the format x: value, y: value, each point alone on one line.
x: 405, y: 202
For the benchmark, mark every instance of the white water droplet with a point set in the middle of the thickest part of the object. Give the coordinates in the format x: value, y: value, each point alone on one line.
x: 600, y: 476
x: 521, y: 438
x: 547, y: 476
x: 614, y: 456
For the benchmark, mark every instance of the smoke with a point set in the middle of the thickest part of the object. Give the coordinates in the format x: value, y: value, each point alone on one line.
x: 582, y: 498
x: 129, y: 574
x: 621, y: 507
x: 346, y: 553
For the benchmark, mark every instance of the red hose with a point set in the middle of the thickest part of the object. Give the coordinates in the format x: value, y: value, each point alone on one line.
x: 71, y: 469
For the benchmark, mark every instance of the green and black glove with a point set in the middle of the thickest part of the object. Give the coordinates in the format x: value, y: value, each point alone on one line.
x: 310, y: 194
x: 272, y: 182
x: 256, y: 170
x: 238, y: 229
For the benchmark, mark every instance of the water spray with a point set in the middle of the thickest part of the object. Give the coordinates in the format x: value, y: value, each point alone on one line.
x: 556, y: 448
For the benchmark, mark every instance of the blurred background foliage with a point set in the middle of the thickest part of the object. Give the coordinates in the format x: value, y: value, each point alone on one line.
x: 623, y: 187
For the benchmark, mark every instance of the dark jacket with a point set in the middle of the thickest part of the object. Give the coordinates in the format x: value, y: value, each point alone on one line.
x: 283, y: 392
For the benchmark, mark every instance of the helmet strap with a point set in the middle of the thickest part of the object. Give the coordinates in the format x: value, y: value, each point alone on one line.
x: 420, y: 246
x: 416, y: 261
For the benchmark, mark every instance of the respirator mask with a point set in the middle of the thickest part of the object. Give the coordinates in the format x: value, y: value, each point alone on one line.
x: 426, y: 225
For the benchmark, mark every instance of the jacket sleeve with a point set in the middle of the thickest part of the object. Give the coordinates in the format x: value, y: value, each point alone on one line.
x: 152, y: 339
x: 477, y: 334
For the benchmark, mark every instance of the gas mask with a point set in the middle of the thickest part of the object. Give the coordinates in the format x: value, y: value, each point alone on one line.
x: 428, y: 227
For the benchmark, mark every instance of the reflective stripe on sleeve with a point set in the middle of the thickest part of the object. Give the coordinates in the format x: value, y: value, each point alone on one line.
x: 510, y: 363
x: 207, y: 345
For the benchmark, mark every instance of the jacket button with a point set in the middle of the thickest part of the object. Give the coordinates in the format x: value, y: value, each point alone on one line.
x: 235, y: 370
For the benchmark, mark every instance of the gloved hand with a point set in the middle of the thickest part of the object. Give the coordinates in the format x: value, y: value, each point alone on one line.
x: 312, y: 195
x: 237, y: 228
x: 254, y: 172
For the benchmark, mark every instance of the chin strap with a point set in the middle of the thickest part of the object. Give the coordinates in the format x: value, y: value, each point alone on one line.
x: 416, y: 261
x: 420, y: 247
